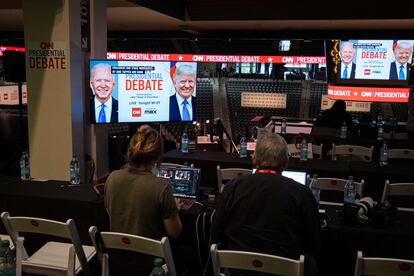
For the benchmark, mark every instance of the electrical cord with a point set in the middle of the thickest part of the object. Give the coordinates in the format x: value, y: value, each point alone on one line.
x: 198, y: 240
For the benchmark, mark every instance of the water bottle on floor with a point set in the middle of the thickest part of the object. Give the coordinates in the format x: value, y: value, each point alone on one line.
x: 158, y: 270
x: 7, y: 260
x: 25, y: 166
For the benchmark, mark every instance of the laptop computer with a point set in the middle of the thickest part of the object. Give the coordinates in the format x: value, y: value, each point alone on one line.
x: 184, y: 181
x: 298, y: 176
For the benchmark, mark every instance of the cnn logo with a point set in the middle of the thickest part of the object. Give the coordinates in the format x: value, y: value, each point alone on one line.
x: 136, y: 112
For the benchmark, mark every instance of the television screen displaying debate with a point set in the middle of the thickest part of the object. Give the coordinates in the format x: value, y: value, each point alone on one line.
x: 370, y: 62
x: 142, y: 91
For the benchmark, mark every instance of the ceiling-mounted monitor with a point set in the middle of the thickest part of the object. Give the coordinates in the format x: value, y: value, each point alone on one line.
x: 142, y: 91
x: 370, y: 62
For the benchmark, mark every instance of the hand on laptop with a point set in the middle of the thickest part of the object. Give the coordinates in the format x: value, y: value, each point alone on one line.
x: 179, y: 203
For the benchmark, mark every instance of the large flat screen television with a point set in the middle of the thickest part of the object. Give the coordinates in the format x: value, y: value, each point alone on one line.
x: 370, y: 62
x: 142, y: 91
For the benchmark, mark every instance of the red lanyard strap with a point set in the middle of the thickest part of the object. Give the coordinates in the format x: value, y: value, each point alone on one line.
x: 267, y: 171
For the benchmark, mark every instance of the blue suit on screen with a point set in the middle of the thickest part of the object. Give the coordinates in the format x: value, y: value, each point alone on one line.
x: 114, y: 112
x: 175, y: 114
x: 351, y: 72
x: 394, y: 71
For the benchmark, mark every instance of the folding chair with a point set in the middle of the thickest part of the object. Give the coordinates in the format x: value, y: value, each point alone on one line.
x: 225, y: 175
x: 352, y: 152
x: 398, y: 189
x: 255, y: 262
x: 383, y: 266
x: 53, y: 258
x: 337, y: 184
x: 113, y: 240
x: 400, y: 154
x: 317, y: 150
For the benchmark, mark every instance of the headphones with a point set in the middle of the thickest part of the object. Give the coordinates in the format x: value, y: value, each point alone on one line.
x: 365, y: 205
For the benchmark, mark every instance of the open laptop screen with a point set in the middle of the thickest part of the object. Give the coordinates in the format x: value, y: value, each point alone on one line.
x: 298, y: 176
x: 183, y: 180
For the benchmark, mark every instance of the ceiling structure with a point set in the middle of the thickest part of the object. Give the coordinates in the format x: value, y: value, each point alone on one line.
x: 206, y: 16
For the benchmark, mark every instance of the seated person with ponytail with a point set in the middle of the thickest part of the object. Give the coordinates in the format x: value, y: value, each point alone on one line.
x: 137, y: 201
x: 266, y: 212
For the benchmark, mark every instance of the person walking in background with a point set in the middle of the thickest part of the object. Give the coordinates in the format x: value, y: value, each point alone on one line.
x: 347, y: 67
x: 400, y: 68
x: 103, y: 107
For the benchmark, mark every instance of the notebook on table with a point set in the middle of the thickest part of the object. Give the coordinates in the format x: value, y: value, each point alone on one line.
x: 184, y: 182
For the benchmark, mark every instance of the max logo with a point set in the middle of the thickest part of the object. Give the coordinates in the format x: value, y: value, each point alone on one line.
x: 136, y: 112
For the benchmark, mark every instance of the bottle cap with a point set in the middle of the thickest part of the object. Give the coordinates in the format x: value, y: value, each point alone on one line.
x: 5, y: 243
x: 158, y: 262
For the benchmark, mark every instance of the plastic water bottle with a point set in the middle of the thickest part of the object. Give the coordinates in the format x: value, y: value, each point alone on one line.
x: 74, y: 170
x: 313, y: 185
x: 304, y: 151
x: 7, y: 259
x: 157, y: 269
x: 344, y: 130
x: 384, y: 155
x: 25, y: 166
x: 283, y: 126
x: 184, y: 142
x: 380, y: 135
x: 349, y: 191
x: 243, y: 147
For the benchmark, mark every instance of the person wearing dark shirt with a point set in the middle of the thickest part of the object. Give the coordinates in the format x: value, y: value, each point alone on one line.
x: 266, y: 212
x: 335, y: 116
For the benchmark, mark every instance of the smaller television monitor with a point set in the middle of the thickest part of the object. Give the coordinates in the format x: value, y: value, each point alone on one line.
x: 370, y: 62
x: 130, y: 91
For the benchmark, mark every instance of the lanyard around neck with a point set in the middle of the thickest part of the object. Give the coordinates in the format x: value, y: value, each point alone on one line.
x: 267, y: 171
